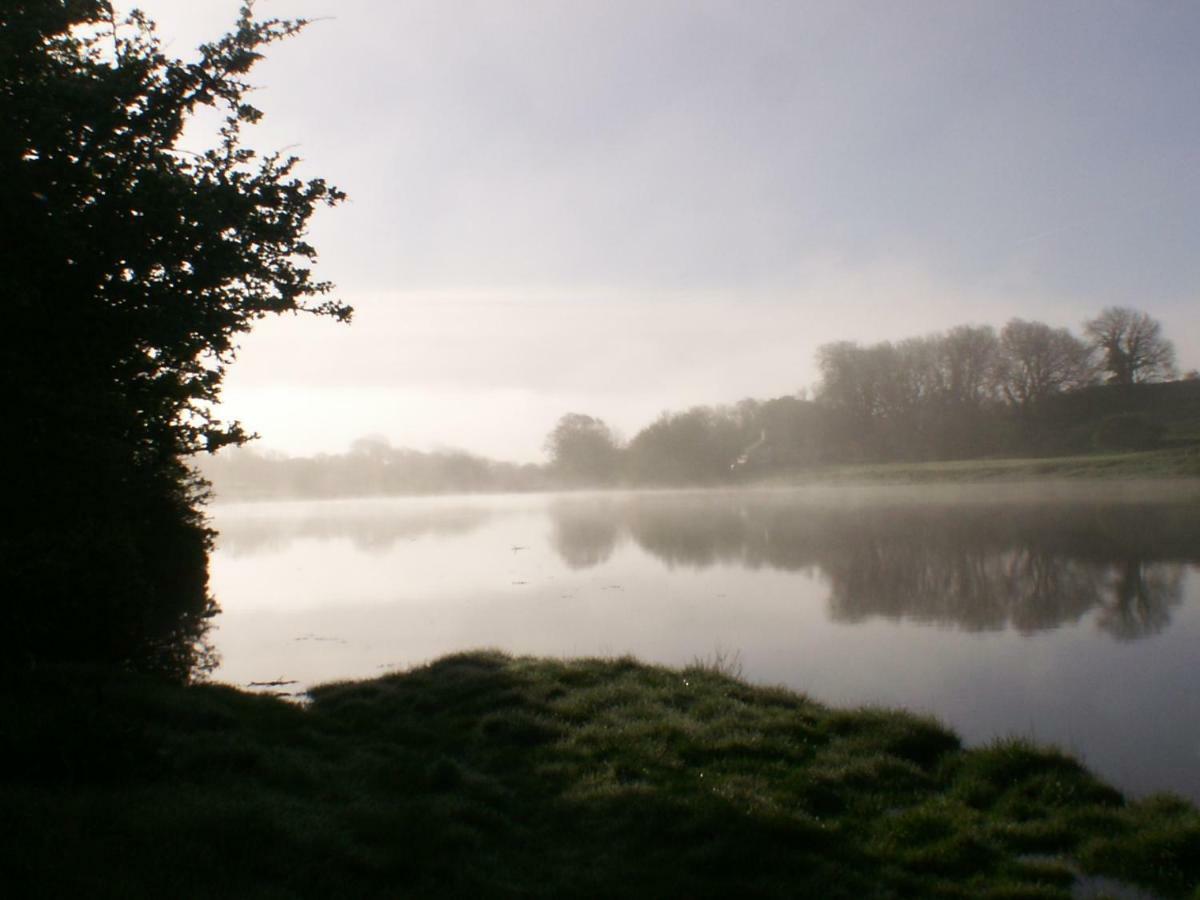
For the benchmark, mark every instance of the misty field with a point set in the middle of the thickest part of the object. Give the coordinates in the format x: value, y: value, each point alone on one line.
x: 1157, y: 464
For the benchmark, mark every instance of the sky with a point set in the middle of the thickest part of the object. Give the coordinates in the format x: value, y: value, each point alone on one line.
x: 622, y: 207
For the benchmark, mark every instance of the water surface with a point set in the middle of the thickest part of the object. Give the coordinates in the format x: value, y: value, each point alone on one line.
x: 1066, y: 613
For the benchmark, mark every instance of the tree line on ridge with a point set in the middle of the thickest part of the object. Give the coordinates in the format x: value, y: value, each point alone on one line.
x: 1027, y: 389
x: 967, y: 392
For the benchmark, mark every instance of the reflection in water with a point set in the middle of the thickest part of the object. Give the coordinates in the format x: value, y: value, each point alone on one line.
x: 1140, y: 597
x: 330, y: 590
x: 978, y: 567
x: 584, y: 535
x: 246, y: 534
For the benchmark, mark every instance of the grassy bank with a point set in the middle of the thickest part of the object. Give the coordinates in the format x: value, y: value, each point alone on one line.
x: 484, y: 775
x: 1158, y: 464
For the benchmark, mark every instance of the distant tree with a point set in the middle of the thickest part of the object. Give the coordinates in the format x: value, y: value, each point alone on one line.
x: 583, y: 450
x: 881, y: 396
x: 857, y: 380
x: 1131, y: 346
x: 966, y: 361
x: 1036, y: 362
x: 793, y: 430
x: 372, y: 446
x: 954, y: 376
x: 700, y: 445
x: 131, y: 267
x: 917, y: 376
x: 779, y: 432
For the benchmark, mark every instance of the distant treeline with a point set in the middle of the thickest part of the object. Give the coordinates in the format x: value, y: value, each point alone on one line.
x: 717, y: 444
x: 970, y: 392
x: 371, y: 467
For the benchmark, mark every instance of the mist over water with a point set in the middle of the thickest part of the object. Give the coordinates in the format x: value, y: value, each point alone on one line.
x: 650, y: 308
x: 1068, y: 614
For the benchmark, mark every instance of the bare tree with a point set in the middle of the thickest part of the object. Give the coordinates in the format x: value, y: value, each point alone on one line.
x: 1037, y: 361
x: 1132, y: 346
x: 967, y: 358
x: 868, y: 383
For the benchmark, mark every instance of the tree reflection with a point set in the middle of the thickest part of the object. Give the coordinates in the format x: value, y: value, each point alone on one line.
x: 369, y: 530
x: 584, y: 535
x: 975, y: 566
x: 1139, y: 598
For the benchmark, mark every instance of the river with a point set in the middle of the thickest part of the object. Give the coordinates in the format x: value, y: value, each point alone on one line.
x: 1067, y: 613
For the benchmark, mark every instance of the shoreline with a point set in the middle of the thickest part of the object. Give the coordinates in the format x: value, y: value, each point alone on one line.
x: 1151, y: 467
x: 491, y: 775
x: 1181, y: 464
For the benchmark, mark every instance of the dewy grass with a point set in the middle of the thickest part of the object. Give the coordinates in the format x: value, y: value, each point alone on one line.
x: 485, y: 775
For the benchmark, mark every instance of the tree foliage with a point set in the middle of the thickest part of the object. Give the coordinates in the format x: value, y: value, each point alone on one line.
x: 921, y: 396
x: 959, y: 394
x: 1037, y: 362
x: 700, y: 445
x: 136, y: 266
x: 583, y: 450
x: 967, y: 358
x: 1131, y: 346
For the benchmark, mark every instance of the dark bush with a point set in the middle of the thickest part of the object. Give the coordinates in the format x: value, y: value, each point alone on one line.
x: 1128, y: 431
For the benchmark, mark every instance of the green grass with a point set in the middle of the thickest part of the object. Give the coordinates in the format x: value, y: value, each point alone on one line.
x: 485, y: 775
x: 1174, y: 463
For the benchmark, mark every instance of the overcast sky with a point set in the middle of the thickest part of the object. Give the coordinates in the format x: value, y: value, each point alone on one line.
x: 624, y: 207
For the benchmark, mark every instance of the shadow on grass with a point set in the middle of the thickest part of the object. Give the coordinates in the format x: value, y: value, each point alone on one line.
x: 483, y: 775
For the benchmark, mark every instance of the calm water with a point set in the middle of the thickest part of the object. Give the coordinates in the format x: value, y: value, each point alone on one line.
x: 1069, y: 614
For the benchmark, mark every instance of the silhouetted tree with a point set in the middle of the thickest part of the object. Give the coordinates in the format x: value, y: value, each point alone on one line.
x: 131, y: 266
x: 859, y: 385
x: 918, y: 398
x: 1037, y: 361
x: 698, y: 446
x: 1131, y: 346
x: 853, y: 378
x: 966, y: 363
x: 784, y: 431
x: 583, y: 450
x: 965, y: 395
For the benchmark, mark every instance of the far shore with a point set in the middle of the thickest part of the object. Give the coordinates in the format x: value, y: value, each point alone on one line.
x: 1176, y: 463
x: 1148, y: 473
